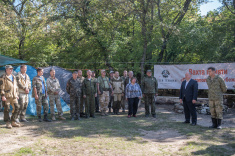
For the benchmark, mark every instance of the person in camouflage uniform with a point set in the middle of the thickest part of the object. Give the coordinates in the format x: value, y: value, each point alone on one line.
x: 40, y: 94
x: 103, y: 87
x: 111, y: 73
x: 24, y: 85
x: 53, y: 89
x: 82, y: 101
x: 149, y: 89
x: 89, y: 91
x: 9, y: 95
x: 123, y: 104
x: 74, y: 89
x: 216, y: 88
x: 118, y: 92
x: 97, y: 105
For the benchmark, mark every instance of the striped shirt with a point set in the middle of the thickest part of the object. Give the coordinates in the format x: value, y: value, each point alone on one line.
x: 133, y: 91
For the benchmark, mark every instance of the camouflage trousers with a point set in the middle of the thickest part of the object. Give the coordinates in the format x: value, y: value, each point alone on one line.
x: 55, y: 99
x: 42, y: 101
x: 216, y: 109
x: 104, y: 100
x: 117, y: 101
x: 14, y: 103
x: 90, y: 105
x: 82, y: 104
x: 124, y: 102
x: 149, y: 101
x: 75, y: 102
x: 23, y: 103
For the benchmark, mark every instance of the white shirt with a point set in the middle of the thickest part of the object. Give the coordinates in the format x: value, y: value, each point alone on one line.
x: 187, y: 83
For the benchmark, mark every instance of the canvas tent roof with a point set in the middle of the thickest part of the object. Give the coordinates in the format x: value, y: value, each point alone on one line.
x: 4, y: 60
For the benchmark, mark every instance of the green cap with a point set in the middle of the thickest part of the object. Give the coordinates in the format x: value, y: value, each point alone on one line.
x: 149, y: 71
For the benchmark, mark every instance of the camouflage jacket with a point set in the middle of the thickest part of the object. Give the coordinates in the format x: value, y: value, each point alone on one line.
x: 149, y: 85
x: 216, y: 88
x: 53, y: 85
x: 37, y: 83
x: 89, y: 87
x: 117, y: 85
x: 73, y: 87
x: 8, y: 88
x: 23, y: 82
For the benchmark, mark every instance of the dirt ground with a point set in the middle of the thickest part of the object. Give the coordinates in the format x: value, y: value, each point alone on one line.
x: 163, y: 141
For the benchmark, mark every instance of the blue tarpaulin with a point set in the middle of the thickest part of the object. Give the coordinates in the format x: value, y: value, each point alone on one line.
x: 31, y: 109
x: 4, y: 60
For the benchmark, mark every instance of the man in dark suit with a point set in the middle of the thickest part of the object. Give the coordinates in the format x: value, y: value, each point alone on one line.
x: 188, y: 95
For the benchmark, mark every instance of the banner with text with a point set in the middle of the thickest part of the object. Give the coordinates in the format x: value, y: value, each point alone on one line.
x: 171, y: 76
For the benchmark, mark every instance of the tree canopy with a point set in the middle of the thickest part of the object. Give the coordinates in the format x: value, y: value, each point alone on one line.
x: 115, y: 34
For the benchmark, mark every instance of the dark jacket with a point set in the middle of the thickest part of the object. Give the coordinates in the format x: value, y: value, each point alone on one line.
x: 190, y: 93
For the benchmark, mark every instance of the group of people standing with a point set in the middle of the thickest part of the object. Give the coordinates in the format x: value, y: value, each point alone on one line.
x: 103, y: 93
x: 89, y: 95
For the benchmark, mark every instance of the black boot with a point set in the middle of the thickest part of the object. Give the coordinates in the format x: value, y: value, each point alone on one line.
x: 117, y: 112
x: 39, y: 119
x: 214, y: 123
x: 114, y: 111
x: 109, y: 110
x: 46, y: 119
x: 78, y: 117
x: 219, y: 123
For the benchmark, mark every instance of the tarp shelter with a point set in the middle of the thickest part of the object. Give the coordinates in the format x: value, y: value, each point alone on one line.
x: 63, y: 76
x: 31, y: 109
x: 4, y: 60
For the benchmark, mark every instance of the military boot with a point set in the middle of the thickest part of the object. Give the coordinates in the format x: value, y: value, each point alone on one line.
x: 39, y: 119
x: 219, y: 123
x: 46, y: 119
x: 15, y: 124
x: 114, y: 112
x: 109, y: 110
x: 117, y: 112
x: 62, y: 118
x: 102, y: 113
x: 23, y: 120
x: 53, y: 118
x: 214, y: 123
x: 105, y: 113
x: 8, y: 125
x: 154, y: 115
x: 123, y: 110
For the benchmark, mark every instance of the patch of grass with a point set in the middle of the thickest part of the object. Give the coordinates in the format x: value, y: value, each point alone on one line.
x: 24, y: 151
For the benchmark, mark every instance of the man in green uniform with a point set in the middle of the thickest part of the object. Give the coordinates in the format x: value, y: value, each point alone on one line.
x: 118, y: 90
x: 149, y: 89
x: 216, y: 88
x: 82, y: 101
x: 74, y: 89
x: 9, y: 95
x: 97, y: 105
x: 111, y: 73
x: 123, y: 104
x: 40, y: 94
x: 89, y: 91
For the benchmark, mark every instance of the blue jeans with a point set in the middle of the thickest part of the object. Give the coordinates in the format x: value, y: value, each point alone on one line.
x: 133, y: 105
